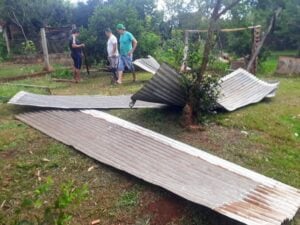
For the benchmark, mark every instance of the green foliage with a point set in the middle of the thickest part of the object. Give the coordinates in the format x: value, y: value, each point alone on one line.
x: 172, y: 49
x: 108, y: 15
x: 33, y: 14
x: 148, y: 43
x: 55, y: 213
x: 202, y: 96
x: 128, y: 199
x: 62, y: 74
x: 3, y: 51
x: 28, y: 47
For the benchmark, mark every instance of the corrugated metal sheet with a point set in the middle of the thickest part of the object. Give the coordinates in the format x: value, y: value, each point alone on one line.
x: 164, y: 87
x: 148, y: 64
x: 238, y: 89
x: 227, y: 188
x: 78, y: 102
x: 241, y: 88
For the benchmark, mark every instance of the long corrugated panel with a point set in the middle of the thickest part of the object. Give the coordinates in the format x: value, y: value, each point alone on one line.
x: 241, y: 88
x: 193, y: 174
x: 164, y: 87
x: 148, y: 64
x: 78, y: 102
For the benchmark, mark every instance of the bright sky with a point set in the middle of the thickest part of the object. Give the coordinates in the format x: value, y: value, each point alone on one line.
x: 160, y: 2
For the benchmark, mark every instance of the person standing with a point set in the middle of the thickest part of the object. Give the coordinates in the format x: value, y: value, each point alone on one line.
x: 113, y: 53
x: 76, y: 53
x: 128, y: 44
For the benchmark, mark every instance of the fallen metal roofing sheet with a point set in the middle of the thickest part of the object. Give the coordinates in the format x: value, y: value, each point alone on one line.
x: 241, y: 88
x: 238, y: 89
x: 193, y: 174
x: 148, y: 64
x: 78, y: 102
x: 164, y: 87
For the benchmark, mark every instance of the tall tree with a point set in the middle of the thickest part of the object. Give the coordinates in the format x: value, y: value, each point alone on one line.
x: 220, y: 9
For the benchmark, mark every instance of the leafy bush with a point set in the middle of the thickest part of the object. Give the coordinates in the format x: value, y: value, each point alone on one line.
x: 148, y: 43
x: 202, y: 96
x: 172, y: 50
x: 28, y: 47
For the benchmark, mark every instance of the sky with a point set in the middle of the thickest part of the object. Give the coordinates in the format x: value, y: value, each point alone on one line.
x: 160, y: 2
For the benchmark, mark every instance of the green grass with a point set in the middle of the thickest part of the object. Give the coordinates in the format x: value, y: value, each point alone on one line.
x: 268, y: 67
x: 8, y: 90
x: 15, y: 70
x: 12, y: 70
x: 271, y: 148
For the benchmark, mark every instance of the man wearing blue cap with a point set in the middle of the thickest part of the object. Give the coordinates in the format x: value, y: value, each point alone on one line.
x: 128, y: 45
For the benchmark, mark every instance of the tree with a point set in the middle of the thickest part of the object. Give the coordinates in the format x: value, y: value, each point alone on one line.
x: 31, y: 15
x: 201, y: 91
x: 139, y: 16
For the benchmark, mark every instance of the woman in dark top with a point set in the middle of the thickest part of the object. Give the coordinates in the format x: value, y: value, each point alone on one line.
x: 76, y: 53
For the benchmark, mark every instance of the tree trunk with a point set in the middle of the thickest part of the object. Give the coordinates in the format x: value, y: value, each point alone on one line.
x: 260, y: 45
x: 210, y: 40
x: 191, y: 112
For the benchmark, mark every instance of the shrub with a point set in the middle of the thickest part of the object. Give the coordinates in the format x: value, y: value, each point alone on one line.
x: 28, y: 47
x: 171, y: 51
x: 202, y: 96
x: 148, y: 43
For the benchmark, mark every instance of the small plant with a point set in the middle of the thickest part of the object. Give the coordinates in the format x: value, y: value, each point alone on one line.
x: 55, y: 212
x: 63, y: 74
x: 28, y: 47
x: 128, y: 199
x: 202, y: 96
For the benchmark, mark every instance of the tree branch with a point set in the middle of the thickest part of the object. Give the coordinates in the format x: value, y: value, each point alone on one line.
x: 228, y: 7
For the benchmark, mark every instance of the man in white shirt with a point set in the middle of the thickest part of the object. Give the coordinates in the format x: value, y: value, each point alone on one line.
x: 113, y: 53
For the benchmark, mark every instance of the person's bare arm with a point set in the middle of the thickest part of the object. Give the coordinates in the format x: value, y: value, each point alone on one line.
x: 74, y: 45
x: 134, y: 45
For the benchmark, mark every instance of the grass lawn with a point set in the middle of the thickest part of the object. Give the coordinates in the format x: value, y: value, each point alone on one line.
x: 12, y: 70
x: 38, y: 172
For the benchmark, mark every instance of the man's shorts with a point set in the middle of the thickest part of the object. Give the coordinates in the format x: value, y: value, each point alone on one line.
x: 113, y: 62
x: 77, y: 59
x: 125, y: 61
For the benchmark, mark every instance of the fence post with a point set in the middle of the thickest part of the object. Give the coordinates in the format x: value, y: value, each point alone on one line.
x: 6, y: 40
x: 47, y: 66
x: 185, y: 52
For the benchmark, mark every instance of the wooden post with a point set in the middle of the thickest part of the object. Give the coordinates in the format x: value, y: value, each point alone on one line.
x: 47, y: 66
x: 255, y: 45
x: 185, y: 51
x: 6, y: 40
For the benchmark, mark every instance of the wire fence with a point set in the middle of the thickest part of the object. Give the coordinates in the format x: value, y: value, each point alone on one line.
x: 57, y: 41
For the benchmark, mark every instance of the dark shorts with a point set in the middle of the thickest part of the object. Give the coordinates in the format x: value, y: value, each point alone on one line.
x: 77, y: 59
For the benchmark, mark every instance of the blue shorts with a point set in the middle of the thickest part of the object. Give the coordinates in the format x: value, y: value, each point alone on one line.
x: 77, y: 59
x: 125, y: 61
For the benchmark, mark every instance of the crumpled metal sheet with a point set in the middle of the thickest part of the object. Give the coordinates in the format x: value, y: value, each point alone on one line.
x: 191, y: 173
x: 148, y: 64
x: 238, y: 89
x: 164, y: 87
x: 78, y: 102
x: 241, y: 88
